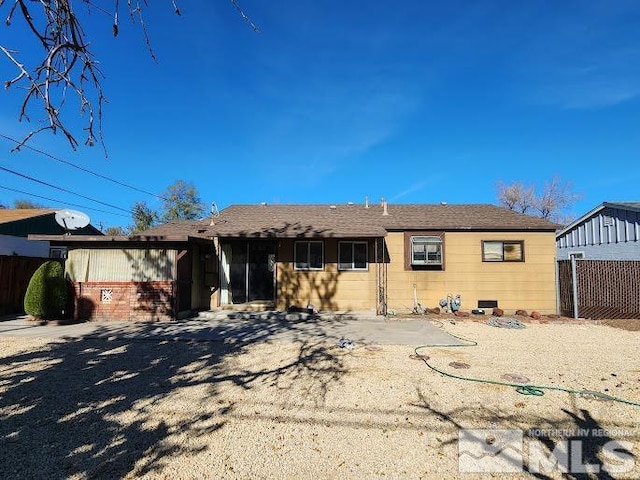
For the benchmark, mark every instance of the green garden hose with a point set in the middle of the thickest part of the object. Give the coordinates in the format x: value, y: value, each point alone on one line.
x: 534, y: 390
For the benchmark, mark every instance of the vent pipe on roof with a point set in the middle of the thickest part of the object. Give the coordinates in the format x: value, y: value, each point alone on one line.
x: 366, y: 202
x: 214, y: 212
x: 385, y: 208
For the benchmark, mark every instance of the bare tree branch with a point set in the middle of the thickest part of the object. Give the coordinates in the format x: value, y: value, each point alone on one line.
x: 68, y: 71
x: 245, y: 17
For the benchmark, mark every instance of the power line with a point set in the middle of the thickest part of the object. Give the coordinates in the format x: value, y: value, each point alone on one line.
x: 63, y: 189
x: 86, y: 170
x: 65, y: 203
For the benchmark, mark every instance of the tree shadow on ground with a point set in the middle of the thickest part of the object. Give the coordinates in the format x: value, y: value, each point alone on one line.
x: 579, y: 447
x: 81, y: 408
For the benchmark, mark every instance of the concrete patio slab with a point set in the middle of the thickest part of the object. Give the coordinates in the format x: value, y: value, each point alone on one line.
x: 246, y: 327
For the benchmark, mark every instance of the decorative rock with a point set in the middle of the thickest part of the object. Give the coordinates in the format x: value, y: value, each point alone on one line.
x: 523, y: 313
x: 461, y: 314
x: 536, y: 315
x: 435, y: 310
x: 498, y: 312
x: 553, y: 316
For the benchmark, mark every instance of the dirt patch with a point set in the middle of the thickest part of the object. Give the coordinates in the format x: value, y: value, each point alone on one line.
x: 629, y: 324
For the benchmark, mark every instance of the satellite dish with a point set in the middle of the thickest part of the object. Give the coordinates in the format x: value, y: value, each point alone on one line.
x: 71, y: 220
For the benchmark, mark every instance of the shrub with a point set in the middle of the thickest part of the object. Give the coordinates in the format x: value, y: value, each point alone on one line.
x: 46, y: 295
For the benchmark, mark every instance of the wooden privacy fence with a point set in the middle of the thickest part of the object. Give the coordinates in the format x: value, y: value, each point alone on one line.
x: 605, y: 288
x: 15, y: 273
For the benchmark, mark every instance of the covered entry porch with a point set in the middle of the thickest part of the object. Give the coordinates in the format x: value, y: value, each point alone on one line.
x: 332, y: 274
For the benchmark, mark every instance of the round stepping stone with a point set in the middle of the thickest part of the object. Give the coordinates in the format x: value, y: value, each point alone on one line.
x: 515, y: 378
x: 459, y: 365
x: 413, y: 356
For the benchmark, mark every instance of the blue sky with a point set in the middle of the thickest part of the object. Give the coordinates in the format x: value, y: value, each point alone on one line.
x: 416, y: 101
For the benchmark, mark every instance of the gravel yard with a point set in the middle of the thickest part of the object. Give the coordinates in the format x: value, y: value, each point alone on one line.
x: 110, y: 408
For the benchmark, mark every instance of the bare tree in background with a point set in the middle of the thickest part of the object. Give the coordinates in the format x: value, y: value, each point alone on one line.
x: 516, y: 196
x: 22, y: 204
x: 556, y: 196
x: 68, y: 71
x: 115, y: 231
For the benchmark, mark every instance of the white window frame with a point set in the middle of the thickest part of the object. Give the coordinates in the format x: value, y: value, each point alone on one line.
x: 295, y: 255
x: 352, y: 244
x: 426, y: 240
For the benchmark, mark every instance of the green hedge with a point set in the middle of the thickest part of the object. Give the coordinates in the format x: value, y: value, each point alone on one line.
x: 46, y: 295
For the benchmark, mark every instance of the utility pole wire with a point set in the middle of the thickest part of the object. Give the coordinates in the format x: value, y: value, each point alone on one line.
x: 13, y: 172
x: 22, y: 192
x: 86, y: 170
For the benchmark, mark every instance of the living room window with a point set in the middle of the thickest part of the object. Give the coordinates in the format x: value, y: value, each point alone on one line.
x: 426, y: 250
x: 309, y: 255
x: 503, y: 251
x: 352, y: 256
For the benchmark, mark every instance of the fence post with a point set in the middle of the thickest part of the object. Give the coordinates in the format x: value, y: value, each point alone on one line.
x: 558, y: 301
x: 574, y: 286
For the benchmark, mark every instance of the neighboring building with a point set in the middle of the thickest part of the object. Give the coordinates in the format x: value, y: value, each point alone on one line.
x: 334, y: 257
x: 603, y: 281
x: 17, y: 224
x: 20, y: 257
x: 611, y: 231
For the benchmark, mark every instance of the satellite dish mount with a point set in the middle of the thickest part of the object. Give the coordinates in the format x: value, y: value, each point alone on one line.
x: 71, y: 220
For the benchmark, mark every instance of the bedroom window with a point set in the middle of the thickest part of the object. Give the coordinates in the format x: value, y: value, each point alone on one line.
x: 503, y: 251
x: 352, y: 256
x: 426, y: 251
x: 309, y: 255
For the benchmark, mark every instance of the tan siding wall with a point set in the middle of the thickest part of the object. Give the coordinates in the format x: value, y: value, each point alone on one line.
x: 330, y: 289
x: 86, y: 265
x: 526, y: 285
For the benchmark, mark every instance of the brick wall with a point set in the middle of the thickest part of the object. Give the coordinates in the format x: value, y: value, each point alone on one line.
x: 133, y: 301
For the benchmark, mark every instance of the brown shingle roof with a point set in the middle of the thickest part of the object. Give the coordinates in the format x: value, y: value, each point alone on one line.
x: 351, y: 220
x: 13, y: 214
